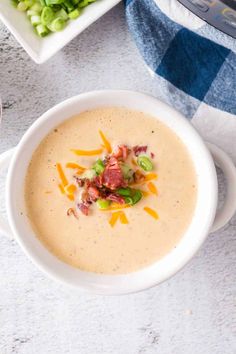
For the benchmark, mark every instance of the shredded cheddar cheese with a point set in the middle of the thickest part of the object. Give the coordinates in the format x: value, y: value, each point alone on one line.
x: 150, y: 176
x: 70, y: 196
x: 123, y: 218
x: 87, y: 152
x: 152, y: 188
x: 61, y: 188
x: 70, y: 189
x: 61, y: 175
x: 118, y: 215
x: 114, y: 217
x: 106, y: 143
x: 151, y: 212
x: 79, y: 172
x: 74, y: 165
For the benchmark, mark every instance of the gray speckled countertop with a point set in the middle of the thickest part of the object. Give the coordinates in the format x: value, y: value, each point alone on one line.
x: 192, y: 313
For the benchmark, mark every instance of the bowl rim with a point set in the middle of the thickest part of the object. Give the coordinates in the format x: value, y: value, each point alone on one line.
x: 105, y: 284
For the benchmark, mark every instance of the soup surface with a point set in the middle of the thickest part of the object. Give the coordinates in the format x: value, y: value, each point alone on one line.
x: 90, y: 242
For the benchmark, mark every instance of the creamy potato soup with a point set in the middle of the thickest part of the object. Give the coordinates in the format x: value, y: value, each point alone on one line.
x: 110, y: 191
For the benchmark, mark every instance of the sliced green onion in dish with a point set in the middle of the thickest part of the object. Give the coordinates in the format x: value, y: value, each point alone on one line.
x: 85, y: 3
x: 62, y: 14
x: 22, y: 6
x: 30, y: 3
x: 41, y: 30
x: 74, y: 14
x: 54, y: 2
x: 36, y: 7
x: 69, y: 5
x: 57, y: 25
x: 30, y: 13
x: 35, y: 20
x: 103, y: 203
x: 47, y: 16
x: 145, y: 163
x: 50, y: 15
x: 14, y: 3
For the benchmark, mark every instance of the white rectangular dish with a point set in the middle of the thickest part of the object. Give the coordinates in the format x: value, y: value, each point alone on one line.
x: 41, y: 49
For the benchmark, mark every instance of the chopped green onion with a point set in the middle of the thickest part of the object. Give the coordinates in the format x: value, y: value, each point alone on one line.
x: 53, y: 2
x: 57, y: 25
x: 137, y: 195
x: 84, y: 3
x: 99, y: 167
x: 74, y: 14
x: 30, y: 13
x: 14, y: 3
x: 36, y: 7
x: 42, y: 30
x: 103, y: 203
x: 134, y: 198
x: 69, y: 5
x: 90, y: 174
x: 35, y: 20
x: 145, y: 163
x: 128, y: 200
x: 54, y: 14
x: 57, y: 7
x: 47, y: 16
x: 124, y: 191
x: 29, y: 3
x: 62, y: 14
x: 22, y: 6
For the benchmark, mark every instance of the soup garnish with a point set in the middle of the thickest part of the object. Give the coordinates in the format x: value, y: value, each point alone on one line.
x: 113, y: 182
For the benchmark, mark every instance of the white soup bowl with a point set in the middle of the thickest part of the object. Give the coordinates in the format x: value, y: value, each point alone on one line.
x: 205, y: 219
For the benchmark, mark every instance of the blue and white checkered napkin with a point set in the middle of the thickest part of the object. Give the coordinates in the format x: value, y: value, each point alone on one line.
x: 194, y: 63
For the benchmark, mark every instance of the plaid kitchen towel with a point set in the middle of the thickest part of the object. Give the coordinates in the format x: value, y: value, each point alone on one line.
x: 194, y: 65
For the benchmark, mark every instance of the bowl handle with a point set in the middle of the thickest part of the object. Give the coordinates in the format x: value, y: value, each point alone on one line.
x: 5, y: 159
x: 224, y: 162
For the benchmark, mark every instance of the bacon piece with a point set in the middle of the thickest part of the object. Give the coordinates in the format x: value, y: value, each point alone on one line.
x: 85, y: 196
x: 152, y: 155
x: 93, y: 193
x: 71, y: 211
x: 121, y: 152
x: 84, y: 208
x: 97, y: 181
x: 115, y: 198
x: 112, y: 176
x: 139, y: 149
x: 80, y: 181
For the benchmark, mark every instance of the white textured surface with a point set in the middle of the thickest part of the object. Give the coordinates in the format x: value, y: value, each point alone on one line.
x: 193, y: 313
